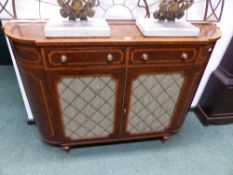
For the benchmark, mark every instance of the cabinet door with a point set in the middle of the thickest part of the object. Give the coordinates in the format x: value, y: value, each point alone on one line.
x: 88, y: 103
x: 153, y: 96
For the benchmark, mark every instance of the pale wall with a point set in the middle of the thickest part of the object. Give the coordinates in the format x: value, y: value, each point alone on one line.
x: 226, y: 26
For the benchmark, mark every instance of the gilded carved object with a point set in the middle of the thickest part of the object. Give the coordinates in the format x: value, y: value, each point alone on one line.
x: 76, y: 9
x: 171, y: 9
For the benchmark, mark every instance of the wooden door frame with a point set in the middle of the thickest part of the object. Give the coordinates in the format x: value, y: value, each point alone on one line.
x: 182, y: 102
x: 53, y: 77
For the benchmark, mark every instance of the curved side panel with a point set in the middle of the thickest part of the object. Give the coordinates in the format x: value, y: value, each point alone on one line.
x: 27, y: 54
x: 36, y: 91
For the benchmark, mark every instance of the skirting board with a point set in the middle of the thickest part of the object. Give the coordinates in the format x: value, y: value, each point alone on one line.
x: 207, y: 120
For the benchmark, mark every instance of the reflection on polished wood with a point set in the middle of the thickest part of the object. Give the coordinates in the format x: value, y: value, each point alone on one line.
x: 123, y: 32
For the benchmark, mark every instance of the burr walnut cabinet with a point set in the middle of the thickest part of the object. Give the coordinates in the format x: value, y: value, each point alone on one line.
x: 102, y: 90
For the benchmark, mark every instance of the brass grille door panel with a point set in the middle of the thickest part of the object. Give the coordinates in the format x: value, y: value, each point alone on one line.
x: 88, y: 106
x: 152, y: 102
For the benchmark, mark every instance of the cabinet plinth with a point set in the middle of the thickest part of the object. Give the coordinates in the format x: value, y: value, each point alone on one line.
x: 99, y: 90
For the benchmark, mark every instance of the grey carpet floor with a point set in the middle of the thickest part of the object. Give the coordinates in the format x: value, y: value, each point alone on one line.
x: 196, y: 150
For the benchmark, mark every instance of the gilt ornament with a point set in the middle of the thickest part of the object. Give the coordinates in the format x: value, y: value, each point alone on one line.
x: 77, y: 9
x: 172, y: 9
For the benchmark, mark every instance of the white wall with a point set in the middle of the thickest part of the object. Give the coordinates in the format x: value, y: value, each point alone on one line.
x: 226, y: 26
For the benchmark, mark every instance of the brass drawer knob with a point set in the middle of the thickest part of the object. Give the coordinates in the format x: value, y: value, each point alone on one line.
x: 63, y: 59
x: 145, y: 57
x: 110, y: 57
x: 184, y: 56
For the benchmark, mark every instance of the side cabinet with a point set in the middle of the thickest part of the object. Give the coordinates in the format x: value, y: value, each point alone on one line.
x: 99, y: 90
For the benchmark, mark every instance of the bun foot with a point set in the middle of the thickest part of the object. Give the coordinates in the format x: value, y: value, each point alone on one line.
x: 66, y: 148
x: 164, y: 139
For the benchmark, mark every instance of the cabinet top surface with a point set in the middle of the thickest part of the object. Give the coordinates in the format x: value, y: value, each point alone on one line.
x: 123, y: 33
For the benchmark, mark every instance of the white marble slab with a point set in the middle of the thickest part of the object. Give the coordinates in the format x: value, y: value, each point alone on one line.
x: 151, y: 27
x: 93, y: 27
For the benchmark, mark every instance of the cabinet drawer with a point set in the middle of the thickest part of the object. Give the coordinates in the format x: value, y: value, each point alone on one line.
x: 75, y: 57
x: 162, y: 55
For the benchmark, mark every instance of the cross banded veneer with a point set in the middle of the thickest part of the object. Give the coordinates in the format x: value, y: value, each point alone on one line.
x: 102, y: 90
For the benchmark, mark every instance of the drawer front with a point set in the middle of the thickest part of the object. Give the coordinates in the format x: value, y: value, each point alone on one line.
x: 81, y: 57
x: 206, y: 51
x: 162, y: 55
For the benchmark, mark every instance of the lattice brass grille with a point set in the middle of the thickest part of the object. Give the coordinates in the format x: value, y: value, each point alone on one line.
x: 87, y: 105
x: 153, y: 101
